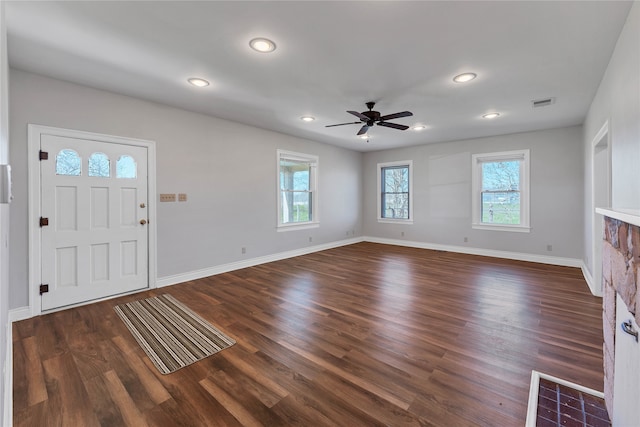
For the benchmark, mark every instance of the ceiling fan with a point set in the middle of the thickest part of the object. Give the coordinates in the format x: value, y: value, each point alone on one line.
x: 369, y: 118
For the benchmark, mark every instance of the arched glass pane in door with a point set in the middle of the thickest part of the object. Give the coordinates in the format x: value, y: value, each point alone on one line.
x: 126, y: 167
x: 68, y: 162
x: 99, y: 165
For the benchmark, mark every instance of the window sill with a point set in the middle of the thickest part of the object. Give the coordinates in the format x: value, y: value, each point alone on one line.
x: 300, y: 226
x: 502, y: 227
x: 395, y: 221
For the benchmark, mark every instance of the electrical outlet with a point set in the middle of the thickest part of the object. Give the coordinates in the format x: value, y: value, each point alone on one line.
x: 244, y: 250
x: 167, y: 197
x: 402, y: 233
x: 310, y: 239
x: 182, y: 197
x: 347, y: 233
x: 466, y: 239
x: 549, y: 248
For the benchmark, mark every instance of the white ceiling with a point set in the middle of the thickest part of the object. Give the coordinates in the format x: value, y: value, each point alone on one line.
x: 331, y: 57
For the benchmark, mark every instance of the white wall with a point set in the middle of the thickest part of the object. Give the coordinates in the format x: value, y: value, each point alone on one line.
x: 228, y: 171
x: 442, y: 194
x: 617, y: 100
x: 4, y: 215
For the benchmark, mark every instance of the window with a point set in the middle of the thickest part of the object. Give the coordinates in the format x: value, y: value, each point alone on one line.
x: 126, y: 167
x: 395, y: 192
x: 501, y: 191
x: 297, y: 190
x: 99, y: 165
x: 68, y: 163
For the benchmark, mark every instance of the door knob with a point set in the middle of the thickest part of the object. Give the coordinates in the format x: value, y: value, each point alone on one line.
x: 143, y: 221
x: 142, y: 205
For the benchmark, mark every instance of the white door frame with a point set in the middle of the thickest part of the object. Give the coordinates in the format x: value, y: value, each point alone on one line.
x: 602, y: 140
x: 35, y: 244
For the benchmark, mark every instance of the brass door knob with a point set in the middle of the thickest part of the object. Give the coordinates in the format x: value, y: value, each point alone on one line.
x: 143, y: 221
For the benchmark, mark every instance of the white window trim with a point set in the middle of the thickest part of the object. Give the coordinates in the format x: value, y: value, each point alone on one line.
x: 476, y: 161
x: 379, y: 206
x: 313, y: 183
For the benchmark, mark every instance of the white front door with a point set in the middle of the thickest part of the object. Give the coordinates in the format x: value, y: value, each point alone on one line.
x: 94, y: 208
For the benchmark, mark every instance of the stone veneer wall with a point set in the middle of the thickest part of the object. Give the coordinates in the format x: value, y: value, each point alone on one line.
x: 620, y: 274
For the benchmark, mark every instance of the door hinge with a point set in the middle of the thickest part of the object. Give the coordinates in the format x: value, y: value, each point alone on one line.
x: 44, y: 289
x: 44, y: 222
x: 44, y: 155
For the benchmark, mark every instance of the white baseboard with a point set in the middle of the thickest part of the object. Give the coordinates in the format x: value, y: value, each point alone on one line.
x: 21, y: 313
x: 542, y: 259
x: 7, y: 417
x: 589, y: 279
x: 224, y: 268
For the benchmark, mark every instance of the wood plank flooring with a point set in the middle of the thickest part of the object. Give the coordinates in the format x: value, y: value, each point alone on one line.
x: 362, y: 335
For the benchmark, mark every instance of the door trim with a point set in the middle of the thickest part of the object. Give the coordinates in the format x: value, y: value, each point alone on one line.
x: 34, y: 134
x: 601, y: 139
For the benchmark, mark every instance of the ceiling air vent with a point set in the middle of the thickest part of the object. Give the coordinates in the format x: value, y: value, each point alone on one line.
x: 542, y: 102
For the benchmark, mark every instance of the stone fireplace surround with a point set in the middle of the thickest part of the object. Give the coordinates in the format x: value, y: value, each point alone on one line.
x: 621, y: 276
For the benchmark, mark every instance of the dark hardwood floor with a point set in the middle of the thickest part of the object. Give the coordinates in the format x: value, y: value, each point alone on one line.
x: 362, y: 335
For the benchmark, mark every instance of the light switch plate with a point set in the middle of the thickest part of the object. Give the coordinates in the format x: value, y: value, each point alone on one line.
x: 167, y: 197
x: 182, y: 197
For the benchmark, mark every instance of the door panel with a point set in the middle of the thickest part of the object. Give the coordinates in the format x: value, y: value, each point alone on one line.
x: 94, y: 194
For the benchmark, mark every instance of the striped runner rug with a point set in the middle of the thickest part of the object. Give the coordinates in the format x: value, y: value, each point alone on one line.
x: 170, y: 333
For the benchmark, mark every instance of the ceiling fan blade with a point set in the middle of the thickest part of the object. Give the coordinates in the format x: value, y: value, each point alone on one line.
x: 359, y: 115
x: 342, y: 124
x: 363, y: 130
x: 393, y: 125
x: 396, y: 115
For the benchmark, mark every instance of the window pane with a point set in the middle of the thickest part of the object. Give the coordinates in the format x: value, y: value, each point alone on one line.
x: 296, y: 195
x: 301, y: 180
x: 395, y: 205
x: 99, y: 165
x: 126, y: 167
x: 68, y: 163
x: 295, y: 206
x: 501, y: 207
x: 501, y: 176
x: 396, y: 179
x: 500, y: 192
x: 395, y: 192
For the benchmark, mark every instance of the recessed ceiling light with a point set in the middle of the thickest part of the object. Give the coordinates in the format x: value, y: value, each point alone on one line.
x: 307, y: 118
x: 365, y: 136
x: 419, y: 127
x: 262, y: 45
x: 198, y: 82
x: 464, y: 77
x: 490, y: 115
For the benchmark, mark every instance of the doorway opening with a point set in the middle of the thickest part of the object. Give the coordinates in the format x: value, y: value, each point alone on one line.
x: 601, y: 197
